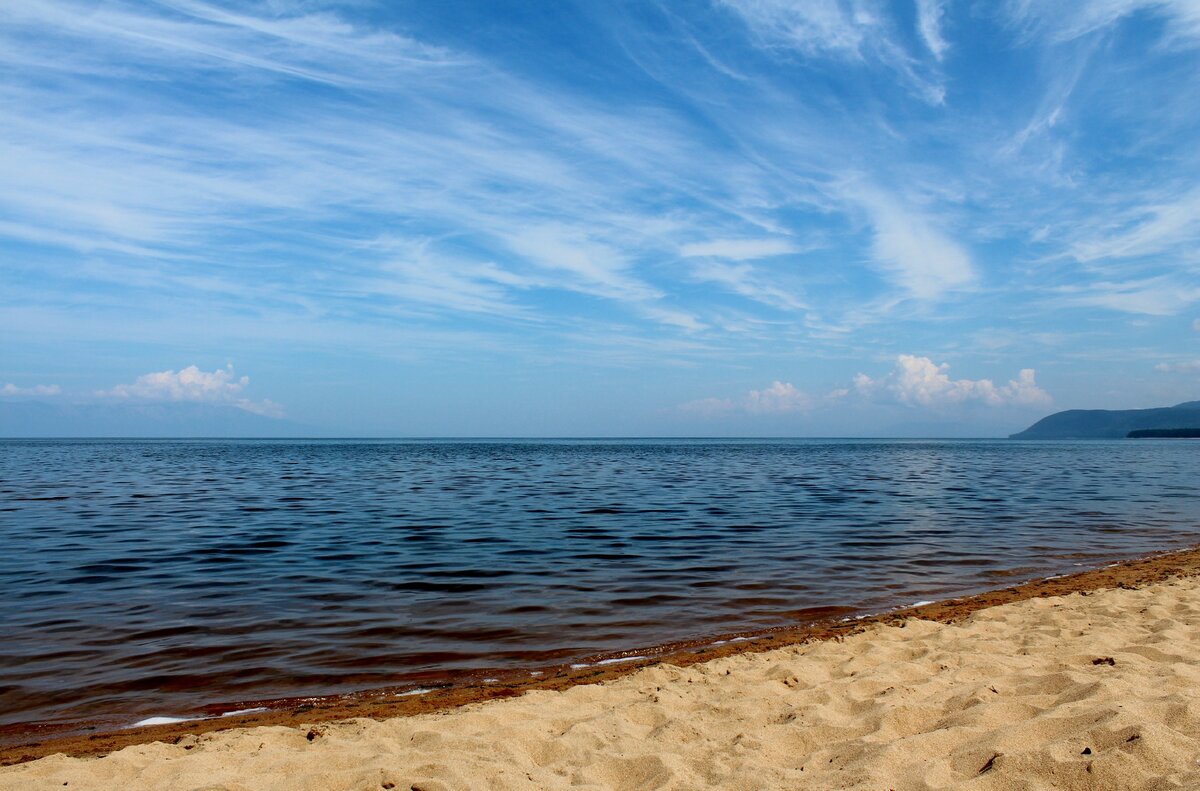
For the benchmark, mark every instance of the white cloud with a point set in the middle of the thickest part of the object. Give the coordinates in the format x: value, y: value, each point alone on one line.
x: 738, y: 249
x: 191, y: 384
x: 11, y: 389
x: 929, y: 23
x: 919, y: 257
x: 779, y: 397
x: 918, y: 381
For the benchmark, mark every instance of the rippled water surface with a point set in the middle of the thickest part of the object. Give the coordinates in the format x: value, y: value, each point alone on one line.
x: 157, y: 576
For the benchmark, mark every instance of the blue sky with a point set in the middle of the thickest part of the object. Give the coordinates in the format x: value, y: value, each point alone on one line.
x: 744, y: 217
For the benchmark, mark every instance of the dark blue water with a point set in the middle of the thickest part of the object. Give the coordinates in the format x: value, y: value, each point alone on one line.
x: 156, y: 576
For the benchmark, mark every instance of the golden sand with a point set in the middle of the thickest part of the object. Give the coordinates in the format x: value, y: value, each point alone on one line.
x: 1095, y: 690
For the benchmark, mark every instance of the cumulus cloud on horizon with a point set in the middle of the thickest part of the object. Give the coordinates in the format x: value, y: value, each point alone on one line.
x: 10, y: 390
x: 779, y: 397
x: 914, y: 381
x: 919, y: 381
x: 191, y: 384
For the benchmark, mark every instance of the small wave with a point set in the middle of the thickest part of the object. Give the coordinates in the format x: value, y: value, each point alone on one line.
x: 164, y: 721
x: 617, y: 659
x: 418, y: 691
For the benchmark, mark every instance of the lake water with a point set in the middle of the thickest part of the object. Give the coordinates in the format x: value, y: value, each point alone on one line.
x: 153, y: 577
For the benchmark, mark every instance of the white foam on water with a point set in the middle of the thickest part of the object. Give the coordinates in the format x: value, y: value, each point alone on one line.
x: 418, y: 691
x: 164, y: 721
x: 578, y: 665
x: 614, y: 660
x: 535, y: 672
x: 922, y: 603
x: 742, y: 639
x: 490, y: 680
x: 719, y: 642
x: 239, y: 712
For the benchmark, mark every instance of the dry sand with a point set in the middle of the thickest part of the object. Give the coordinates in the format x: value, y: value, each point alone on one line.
x: 1095, y: 690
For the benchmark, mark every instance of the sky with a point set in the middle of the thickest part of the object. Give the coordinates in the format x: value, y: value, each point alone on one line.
x: 703, y: 218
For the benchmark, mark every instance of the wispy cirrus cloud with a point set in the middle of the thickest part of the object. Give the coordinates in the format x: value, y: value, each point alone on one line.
x: 855, y: 31
x: 1165, y: 295
x: 920, y: 257
x: 1041, y: 17
x: 315, y: 46
x: 749, y: 282
x: 929, y: 23
x: 1148, y: 229
x: 739, y: 249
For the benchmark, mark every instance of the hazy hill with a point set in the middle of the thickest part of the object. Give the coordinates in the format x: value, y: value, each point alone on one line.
x: 1111, y: 423
x: 41, y: 419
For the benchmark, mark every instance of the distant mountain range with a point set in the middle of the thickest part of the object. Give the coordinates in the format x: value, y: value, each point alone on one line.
x: 1111, y: 423
x: 42, y: 419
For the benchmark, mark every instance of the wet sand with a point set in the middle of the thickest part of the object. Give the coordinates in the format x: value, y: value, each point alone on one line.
x: 1085, y: 681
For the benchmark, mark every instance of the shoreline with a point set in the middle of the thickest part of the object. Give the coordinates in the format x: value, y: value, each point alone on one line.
x: 29, y: 744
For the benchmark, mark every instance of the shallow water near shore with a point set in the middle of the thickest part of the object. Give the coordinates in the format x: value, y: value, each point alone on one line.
x: 153, y: 577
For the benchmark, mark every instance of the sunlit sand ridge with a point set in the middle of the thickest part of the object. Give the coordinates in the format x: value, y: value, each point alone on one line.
x: 1097, y: 690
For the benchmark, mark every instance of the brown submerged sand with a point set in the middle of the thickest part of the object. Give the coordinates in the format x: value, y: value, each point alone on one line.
x: 1095, y: 690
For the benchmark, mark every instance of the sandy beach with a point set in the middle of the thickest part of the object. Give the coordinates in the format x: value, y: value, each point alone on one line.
x: 1097, y: 689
